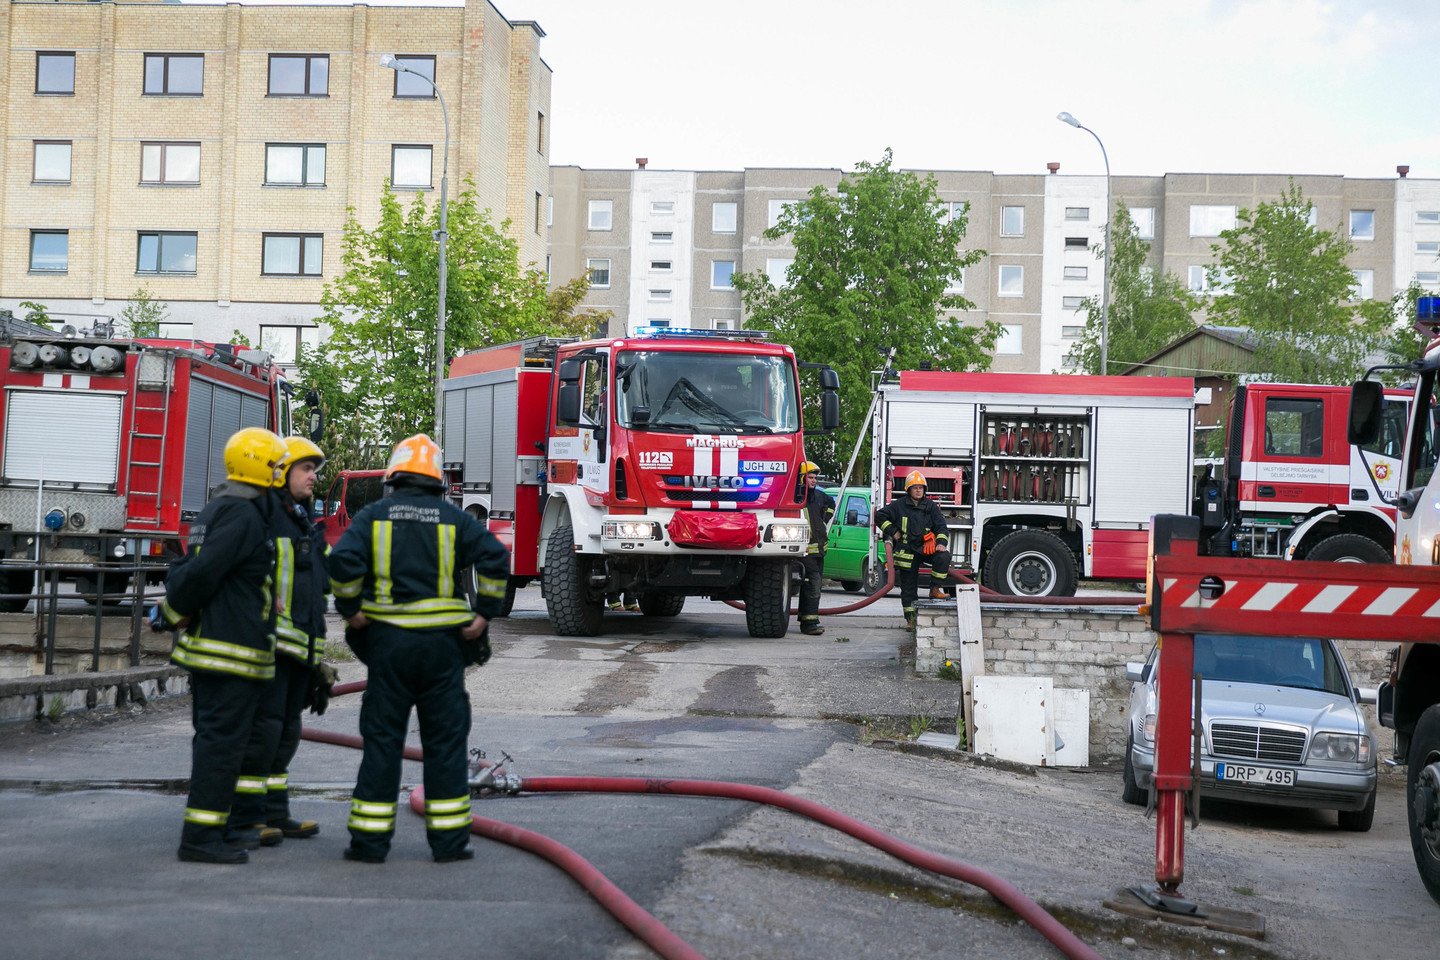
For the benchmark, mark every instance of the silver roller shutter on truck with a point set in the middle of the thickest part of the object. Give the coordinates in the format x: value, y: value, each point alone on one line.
x: 216, y: 412
x: 62, y: 436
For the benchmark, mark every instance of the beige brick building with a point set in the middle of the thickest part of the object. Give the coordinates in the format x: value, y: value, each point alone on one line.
x: 209, y: 153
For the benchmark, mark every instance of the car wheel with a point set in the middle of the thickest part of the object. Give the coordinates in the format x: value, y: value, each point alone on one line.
x: 1130, y: 790
x: 1422, y: 791
x: 850, y: 586
x: 1359, y: 821
x: 1349, y: 548
x: 873, y: 576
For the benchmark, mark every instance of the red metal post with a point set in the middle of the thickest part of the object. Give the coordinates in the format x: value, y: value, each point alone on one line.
x: 1173, y: 738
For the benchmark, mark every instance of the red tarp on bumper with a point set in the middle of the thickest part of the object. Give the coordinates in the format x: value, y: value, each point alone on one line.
x: 714, y: 531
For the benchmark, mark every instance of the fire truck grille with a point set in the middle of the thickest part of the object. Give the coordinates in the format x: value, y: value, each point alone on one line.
x: 1252, y: 742
x: 715, y: 496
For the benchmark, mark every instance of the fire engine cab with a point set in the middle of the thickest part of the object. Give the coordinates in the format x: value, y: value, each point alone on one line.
x: 665, y: 465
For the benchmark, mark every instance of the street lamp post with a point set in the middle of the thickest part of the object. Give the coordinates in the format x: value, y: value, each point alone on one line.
x: 390, y: 62
x: 1105, y: 269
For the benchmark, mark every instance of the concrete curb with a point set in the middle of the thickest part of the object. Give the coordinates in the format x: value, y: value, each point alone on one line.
x: 29, y: 698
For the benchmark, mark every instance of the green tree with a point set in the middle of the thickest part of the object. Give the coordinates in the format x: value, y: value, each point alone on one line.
x: 376, y: 371
x: 1147, y: 309
x: 36, y: 313
x: 1287, y: 281
x: 143, y: 315
x: 876, y: 265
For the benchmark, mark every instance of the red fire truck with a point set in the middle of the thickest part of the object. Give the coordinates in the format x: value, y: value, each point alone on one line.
x: 1043, y: 479
x: 110, y: 447
x: 1292, y: 486
x: 664, y: 465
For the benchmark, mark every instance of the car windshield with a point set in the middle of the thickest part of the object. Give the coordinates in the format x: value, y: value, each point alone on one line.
x: 1280, y: 661
x: 684, y: 391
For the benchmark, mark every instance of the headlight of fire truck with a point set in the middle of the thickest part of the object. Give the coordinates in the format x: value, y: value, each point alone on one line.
x: 788, y: 533
x: 631, y: 530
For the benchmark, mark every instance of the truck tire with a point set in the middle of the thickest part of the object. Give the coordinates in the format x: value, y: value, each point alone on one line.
x: 767, y: 598
x: 659, y: 603
x: 1422, y: 795
x: 17, y: 581
x: 575, y: 610
x: 508, y: 603
x: 1130, y: 790
x: 851, y: 586
x: 1359, y: 821
x: 1349, y: 548
x: 873, y: 576
x: 1031, y: 563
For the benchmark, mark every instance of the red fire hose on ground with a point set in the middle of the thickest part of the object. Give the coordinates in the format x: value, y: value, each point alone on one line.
x: 643, y: 924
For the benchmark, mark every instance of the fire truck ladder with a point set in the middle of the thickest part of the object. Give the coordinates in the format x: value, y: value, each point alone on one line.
x: 153, y: 373
x: 1189, y: 594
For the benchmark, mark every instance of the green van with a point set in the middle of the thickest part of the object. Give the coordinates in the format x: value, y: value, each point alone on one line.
x: 847, y: 556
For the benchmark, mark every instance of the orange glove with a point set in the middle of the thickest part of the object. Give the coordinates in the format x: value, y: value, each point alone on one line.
x: 929, y: 544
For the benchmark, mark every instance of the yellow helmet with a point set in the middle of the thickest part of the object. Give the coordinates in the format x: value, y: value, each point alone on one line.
x: 302, y: 448
x: 809, y: 466
x: 418, y: 456
x: 256, y: 456
x: 914, y: 478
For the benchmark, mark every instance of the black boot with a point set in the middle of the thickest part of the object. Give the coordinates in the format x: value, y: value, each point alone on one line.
x: 295, y: 829
x: 253, y: 836
x: 212, y: 852
x: 811, y: 628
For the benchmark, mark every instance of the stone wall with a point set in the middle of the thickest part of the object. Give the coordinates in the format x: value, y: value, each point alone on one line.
x: 30, y: 698
x: 1087, y: 648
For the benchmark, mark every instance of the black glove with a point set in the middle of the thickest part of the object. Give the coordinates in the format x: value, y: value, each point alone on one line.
x: 476, y: 651
x: 359, y: 643
x: 322, y: 679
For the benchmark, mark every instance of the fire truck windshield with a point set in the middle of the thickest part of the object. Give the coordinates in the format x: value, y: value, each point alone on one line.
x: 683, y: 391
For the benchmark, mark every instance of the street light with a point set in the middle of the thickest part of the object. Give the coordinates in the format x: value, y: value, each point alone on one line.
x: 1105, y: 270
x: 389, y: 62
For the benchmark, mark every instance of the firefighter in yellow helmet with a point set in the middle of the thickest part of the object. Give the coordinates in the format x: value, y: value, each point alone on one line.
x: 819, y: 508
x: 219, y: 595
x: 919, y: 537
x: 396, y: 575
x: 301, y: 588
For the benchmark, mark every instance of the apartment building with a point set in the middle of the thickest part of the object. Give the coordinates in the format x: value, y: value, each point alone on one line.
x: 660, y: 246
x: 209, y: 153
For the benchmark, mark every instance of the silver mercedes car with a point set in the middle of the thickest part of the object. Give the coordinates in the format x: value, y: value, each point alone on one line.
x: 1281, y: 724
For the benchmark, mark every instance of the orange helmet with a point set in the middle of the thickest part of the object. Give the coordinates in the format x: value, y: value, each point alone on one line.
x: 914, y: 478
x: 416, y: 457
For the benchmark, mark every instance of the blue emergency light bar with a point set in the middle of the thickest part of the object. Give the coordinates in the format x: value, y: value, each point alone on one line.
x: 1427, y: 308
x: 662, y: 333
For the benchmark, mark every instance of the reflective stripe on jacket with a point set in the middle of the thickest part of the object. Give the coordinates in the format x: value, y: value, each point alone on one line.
x: 301, y: 584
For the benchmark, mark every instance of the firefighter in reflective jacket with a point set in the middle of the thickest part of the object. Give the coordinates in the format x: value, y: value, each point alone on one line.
x: 396, y: 579
x: 819, y: 508
x: 220, y: 594
x: 916, y: 527
x: 263, y: 799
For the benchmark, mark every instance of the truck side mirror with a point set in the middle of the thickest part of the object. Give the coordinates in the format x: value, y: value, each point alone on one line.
x: 567, y: 411
x: 829, y: 379
x: 1367, y: 398
x: 315, y: 417
x: 830, y: 410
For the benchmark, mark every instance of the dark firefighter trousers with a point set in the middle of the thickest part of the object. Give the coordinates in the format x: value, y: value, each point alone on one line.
x: 812, y: 568
x: 907, y: 573
x: 424, y: 669
x: 222, y: 710
x: 274, y: 739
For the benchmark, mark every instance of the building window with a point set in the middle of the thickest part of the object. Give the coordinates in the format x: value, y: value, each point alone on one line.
x: 1077, y: 273
x: 1072, y: 332
x: 1427, y: 216
x: 55, y: 73
x: 49, y: 251
x: 410, y: 166
x: 175, y: 330
x: 662, y: 236
x: 777, y: 269
x: 52, y: 161
x: 295, y: 164
x: 1072, y: 303
x: 661, y: 295
x: 549, y: 211
x: 1209, y: 220
x: 1201, y: 281
x: 722, y: 324
x: 956, y: 284
x: 285, y: 343
x: 1428, y: 279
x: 655, y: 322
x: 169, y: 163
x: 1312, y: 217
x: 599, y: 273
x: 292, y: 254
x: 1012, y: 280
x: 1012, y: 221
x: 1364, y: 285
x: 723, y: 216
x: 540, y: 133
x: 1077, y: 243
x: 306, y: 75
x: 1197, y: 280
x: 1077, y: 213
x: 1144, y: 220
x: 777, y: 207
x: 662, y: 208
x: 720, y: 273
x: 956, y: 210
x: 407, y: 85
x: 174, y: 74
x: 165, y: 252
x: 539, y: 211
x: 1428, y: 246
x: 1362, y: 224
x: 1010, y: 340
x: 601, y: 214
x: 660, y: 266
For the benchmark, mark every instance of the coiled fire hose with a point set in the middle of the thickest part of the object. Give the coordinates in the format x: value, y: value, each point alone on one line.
x: 643, y: 924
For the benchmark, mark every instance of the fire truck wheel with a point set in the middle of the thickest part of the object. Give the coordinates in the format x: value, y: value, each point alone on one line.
x: 658, y: 603
x: 508, y: 603
x: 1349, y: 548
x: 1031, y: 563
x: 1422, y: 790
x: 574, y: 611
x: 767, y: 598
x: 1130, y: 790
x: 15, y: 583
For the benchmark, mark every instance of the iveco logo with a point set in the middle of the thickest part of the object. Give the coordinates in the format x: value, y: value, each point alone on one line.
x: 1259, y: 709
x: 714, y: 483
